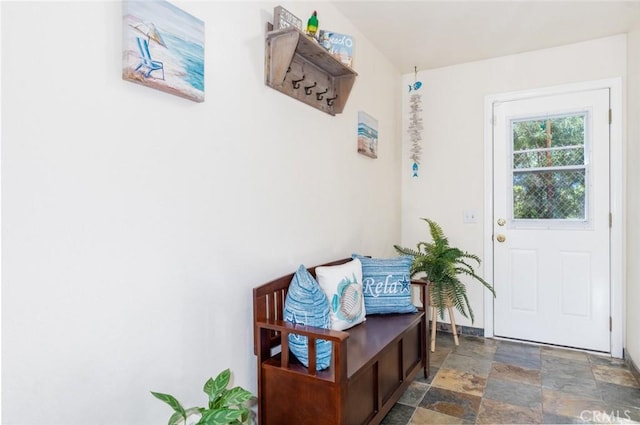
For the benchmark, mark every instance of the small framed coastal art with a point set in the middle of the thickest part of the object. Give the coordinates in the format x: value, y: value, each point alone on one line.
x: 367, y: 135
x: 163, y: 48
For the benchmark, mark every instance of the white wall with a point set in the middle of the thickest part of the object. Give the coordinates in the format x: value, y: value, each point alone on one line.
x: 135, y: 223
x: 452, y: 170
x: 633, y: 198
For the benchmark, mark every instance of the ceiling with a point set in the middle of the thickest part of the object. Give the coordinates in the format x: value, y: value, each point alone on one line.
x: 430, y: 34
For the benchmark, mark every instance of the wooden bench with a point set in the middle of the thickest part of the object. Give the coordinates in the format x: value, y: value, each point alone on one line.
x: 372, y: 363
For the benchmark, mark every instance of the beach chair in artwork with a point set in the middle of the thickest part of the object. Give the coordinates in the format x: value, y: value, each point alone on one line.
x: 147, y: 62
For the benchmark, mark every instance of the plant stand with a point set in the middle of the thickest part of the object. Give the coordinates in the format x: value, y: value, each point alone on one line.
x: 434, y: 321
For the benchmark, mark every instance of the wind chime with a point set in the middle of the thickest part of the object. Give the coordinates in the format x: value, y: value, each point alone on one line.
x: 415, y: 123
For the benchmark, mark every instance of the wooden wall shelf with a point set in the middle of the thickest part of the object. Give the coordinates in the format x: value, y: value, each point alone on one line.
x: 299, y: 67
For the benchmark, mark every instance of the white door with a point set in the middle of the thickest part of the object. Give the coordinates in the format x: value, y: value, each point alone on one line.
x: 551, y: 220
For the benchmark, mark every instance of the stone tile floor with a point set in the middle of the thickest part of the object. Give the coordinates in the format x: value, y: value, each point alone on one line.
x: 487, y: 381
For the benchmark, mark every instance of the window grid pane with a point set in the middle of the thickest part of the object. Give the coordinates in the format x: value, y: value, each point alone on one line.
x: 549, y: 168
x: 542, y: 158
x: 549, y: 195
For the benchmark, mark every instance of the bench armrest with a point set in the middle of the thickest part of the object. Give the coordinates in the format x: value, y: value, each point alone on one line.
x: 420, y: 282
x: 424, y: 290
x: 308, y: 331
x: 338, y: 339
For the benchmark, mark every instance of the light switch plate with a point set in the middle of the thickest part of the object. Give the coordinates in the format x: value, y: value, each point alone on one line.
x: 469, y: 216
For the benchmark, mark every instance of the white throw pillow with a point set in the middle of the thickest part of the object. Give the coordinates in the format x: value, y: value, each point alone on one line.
x: 342, y: 285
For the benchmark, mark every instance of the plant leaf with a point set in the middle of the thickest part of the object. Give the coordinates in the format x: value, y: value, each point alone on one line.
x: 171, y: 401
x: 220, y: 417
x: 176, y: 418
x: 235, y: 396
x: 192, y: 410
x: 209, y: 388
x: 214, y: 387
x: 245, y: 414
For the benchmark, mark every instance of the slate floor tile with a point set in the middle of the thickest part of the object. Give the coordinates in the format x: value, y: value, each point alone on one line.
x: 514, y: 393
x: 586, y: 388
x: 615, y: 375
x: 576, y: 356
x: 459, y: 381
x: 513, y: 347
x: 438, y: 357
x: 414, y: 394
x: 619, y: 394
x: 606, y: 361
x: 549, y: 418
x: 570, y: 405
x: 428, y: 417
x: 496, y: 412
x: 459, y: 405
x: 565, y: 368
x: 524, y: 359
x: 508, y: 372
x: 477, y: 347
x: 399, y: 414
x: 476, y: 366
x: 444, y: 340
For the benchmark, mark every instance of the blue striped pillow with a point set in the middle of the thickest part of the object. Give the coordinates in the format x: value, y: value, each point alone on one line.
x: 306, y: 304
x: 386, y: 284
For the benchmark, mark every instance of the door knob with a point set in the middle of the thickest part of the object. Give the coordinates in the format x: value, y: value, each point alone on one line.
x: 501, y: 238
x: 501, y: 222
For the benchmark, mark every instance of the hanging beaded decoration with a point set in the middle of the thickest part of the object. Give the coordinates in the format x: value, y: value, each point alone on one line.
x: 415, y: 123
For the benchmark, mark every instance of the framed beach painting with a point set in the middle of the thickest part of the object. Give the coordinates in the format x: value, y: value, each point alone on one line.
x: 163, y: 48
x: 367, y: 135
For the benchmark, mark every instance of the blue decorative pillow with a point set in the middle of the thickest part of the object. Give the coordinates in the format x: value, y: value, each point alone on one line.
x: 386, y: 284
x: 306, y: 304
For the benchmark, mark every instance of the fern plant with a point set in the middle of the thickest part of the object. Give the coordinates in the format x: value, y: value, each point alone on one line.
x: 443, y: 265
x: 226, y: 406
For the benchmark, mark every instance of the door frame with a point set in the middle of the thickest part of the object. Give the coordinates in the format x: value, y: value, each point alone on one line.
x: 617, y: 188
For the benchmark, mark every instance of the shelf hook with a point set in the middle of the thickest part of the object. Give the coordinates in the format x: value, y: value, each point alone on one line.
x: 296, y: 83
x: 307, y: 89
x: 319, y: 94
x: 331, y: 99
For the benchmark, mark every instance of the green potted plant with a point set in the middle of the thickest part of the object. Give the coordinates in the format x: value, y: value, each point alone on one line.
x: 226, y: 406
x: 443, y: 265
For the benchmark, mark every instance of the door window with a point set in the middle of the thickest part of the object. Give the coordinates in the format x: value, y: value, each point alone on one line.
x: 550, y: 169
